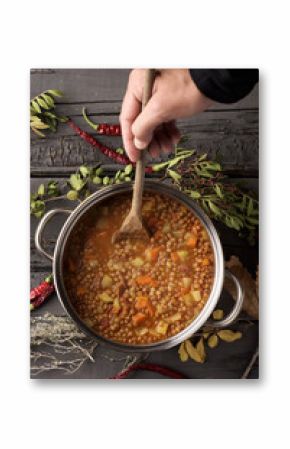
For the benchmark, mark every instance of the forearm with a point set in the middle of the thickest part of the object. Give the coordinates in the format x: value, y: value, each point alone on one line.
x: 225, y: 85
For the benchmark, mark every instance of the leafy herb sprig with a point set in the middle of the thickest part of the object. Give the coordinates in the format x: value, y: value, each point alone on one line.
x: 42, y: 114
x: 77, y: 188
x: 203, y: 180
x: 42, y: 195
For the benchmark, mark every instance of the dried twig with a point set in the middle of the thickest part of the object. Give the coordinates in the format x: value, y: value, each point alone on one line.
x: 58, y: 344
x: 250, y: 365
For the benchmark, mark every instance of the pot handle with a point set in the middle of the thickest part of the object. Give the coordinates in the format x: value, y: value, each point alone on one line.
x: 41, y: 226
x: 230, y: 318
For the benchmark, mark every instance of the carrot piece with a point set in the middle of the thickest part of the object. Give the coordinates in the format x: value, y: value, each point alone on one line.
x: 192, y: 241
x: 205, y: 262
x: 158, y: 234
x: 146, y: 280
x: 141, y: 302
x: 174, y: 257
x: 138, y: 319
x: 81, y: 290
x: 184, y: 290
x: 151, y: 310
x: 154, y: 253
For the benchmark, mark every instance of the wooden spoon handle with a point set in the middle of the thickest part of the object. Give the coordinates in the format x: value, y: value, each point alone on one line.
x: 140, y: 164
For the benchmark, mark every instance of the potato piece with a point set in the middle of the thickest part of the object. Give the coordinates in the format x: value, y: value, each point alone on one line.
x: 182, y: 254
x: 102, y: 223
x: 138, y: 262
x: 173, y: 318
x: 105, y: 297
x: 186, y: 282
x: 166, y: 228
x: 188, y: 299
x: 116, y: 306
x: 162, y: 327
x: 141, y: 331
x: 196, y: 295
x: 88, y: 322
x: 107, y: 281
x: 178, y: 234
x: 204, y: 234
x: 160, y: 308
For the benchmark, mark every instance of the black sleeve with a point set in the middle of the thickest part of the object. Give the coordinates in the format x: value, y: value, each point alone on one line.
x: 225, y: 85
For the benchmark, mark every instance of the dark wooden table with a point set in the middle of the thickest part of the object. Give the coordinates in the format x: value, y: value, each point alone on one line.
x: 228, y: 133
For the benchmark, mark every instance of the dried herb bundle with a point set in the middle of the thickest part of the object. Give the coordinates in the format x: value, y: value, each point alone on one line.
x: 58, y: 344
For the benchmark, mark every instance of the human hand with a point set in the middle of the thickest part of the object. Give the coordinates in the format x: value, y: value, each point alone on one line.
x: 174, y: 96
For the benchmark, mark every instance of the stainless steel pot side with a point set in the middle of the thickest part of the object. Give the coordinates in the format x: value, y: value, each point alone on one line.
x: 115, y: 190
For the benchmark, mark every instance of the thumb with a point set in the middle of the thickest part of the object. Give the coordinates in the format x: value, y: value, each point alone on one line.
x: 146, y: 122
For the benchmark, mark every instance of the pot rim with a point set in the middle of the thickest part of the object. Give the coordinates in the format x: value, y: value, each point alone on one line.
x: 118, y: 189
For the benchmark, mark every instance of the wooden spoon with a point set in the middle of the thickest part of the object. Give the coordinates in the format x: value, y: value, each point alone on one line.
x: 133, y: 227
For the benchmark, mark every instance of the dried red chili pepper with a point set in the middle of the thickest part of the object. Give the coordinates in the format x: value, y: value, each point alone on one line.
x: 41, y: 292
x: 164, y: 371
x: 119, y: 158
x: 103, y: 128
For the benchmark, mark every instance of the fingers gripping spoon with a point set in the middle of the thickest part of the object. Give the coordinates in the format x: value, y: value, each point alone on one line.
x: 133, y: 227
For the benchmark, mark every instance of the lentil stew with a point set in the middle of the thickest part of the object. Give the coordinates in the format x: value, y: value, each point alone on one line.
x: 135, y: 292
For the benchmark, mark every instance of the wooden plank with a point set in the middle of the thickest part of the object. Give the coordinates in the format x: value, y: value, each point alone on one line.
x: 229, y: 136
x: 101, y: 85
x: 226, y: 131
x: 81, y: 84
x: 112, y: 108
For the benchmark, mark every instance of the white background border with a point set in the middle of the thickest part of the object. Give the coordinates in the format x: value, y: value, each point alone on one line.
x: 74, y: 414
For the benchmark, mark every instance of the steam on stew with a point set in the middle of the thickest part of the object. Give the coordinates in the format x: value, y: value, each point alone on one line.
x: 135, y: 292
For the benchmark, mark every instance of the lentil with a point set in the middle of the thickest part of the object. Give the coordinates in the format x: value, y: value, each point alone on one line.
x: 135, y: 292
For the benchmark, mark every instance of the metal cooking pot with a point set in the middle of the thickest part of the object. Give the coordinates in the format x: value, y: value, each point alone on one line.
x: 102, y: 196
